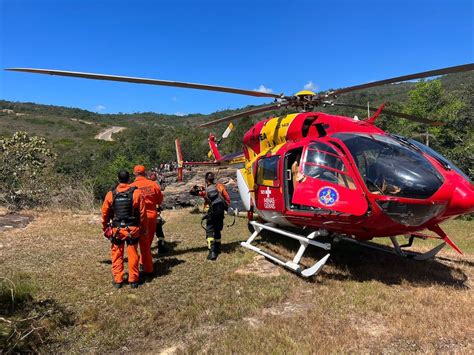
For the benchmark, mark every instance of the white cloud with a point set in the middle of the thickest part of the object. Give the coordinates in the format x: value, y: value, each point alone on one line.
x: 310, y: 86
x: 264, y: 89
x: 181, y: 114
x: 100, y: 108
x: 174, y: 98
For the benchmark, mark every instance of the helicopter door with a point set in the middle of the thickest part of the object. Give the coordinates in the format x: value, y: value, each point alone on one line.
x: 268, y: 195
x: 327, y: 183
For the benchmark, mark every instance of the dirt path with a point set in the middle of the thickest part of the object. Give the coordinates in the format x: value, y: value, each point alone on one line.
x: 106, y: 135
x: 78, y: 120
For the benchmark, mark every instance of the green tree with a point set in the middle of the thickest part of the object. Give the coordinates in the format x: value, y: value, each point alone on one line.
x: 454, y: 139
x: 106, y: 179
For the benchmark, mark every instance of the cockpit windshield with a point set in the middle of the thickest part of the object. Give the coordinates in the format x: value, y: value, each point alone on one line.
x: 445, y: 162
x: 390, y: 167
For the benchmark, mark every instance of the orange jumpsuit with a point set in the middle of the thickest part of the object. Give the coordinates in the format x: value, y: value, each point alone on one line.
x: 153, y: 198
x: 135, y: 232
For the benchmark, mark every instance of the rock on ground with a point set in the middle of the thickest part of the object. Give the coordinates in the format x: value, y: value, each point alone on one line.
x: 177, y: 193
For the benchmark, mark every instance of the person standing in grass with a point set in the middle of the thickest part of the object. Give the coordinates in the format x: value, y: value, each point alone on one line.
x: 159, y: 219
x: 218, y: 201
x: 123, y: 220
x: 153, y: 198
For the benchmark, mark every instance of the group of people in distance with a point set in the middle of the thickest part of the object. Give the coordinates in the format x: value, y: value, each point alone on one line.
x: 131, y: 217
x: 166, y: 167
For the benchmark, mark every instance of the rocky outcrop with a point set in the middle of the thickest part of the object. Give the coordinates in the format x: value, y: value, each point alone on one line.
x: 177, y: 193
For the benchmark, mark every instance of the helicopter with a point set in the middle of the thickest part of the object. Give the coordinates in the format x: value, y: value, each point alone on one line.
x: 320, y: 178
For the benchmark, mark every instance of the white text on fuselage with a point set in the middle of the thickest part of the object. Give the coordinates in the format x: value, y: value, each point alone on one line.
x: 268, y: 201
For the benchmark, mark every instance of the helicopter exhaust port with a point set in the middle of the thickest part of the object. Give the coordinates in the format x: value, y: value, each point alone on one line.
x: 293, y: 265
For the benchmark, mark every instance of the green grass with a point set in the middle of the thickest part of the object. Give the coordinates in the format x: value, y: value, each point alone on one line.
x: 362, y: 301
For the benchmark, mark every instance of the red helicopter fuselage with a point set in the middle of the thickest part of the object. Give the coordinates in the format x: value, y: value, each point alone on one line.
x: 319, y: 171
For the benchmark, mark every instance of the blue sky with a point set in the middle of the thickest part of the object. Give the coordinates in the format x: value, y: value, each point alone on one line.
x: 282, y: 45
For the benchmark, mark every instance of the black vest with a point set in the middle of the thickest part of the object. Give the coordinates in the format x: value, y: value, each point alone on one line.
x: 124, y: 214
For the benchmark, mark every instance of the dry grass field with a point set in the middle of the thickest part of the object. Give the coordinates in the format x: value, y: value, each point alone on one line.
x: 362, y: 301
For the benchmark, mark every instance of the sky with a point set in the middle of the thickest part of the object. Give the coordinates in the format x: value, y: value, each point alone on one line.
x: 282, y: 46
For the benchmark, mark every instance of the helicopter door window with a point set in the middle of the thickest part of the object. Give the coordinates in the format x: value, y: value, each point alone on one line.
x: 323, y: 163
x: 267, y: 171
x: 322, y: 147
x: 328, y: 184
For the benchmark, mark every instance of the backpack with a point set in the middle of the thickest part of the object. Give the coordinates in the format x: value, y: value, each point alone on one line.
x: 217, y: 203
x: 124, y: 214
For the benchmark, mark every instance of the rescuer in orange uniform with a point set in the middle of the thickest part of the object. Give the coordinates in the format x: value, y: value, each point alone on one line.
x: 123, y: 216
x: 153, y: 197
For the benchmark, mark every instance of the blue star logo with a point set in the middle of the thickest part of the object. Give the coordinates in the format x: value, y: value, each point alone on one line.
x: 328, y: 196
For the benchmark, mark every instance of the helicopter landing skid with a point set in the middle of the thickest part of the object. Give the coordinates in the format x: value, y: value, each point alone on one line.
x: 397, y: 248
x: 293, y: 265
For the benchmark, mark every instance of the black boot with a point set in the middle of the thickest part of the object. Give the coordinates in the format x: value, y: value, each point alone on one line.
x: 212, y: 252
x: 117, y: 285
x: 217, y: 247
x: 161, y: 247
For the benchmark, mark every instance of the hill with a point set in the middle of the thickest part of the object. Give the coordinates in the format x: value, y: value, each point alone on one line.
x: 71, y: 131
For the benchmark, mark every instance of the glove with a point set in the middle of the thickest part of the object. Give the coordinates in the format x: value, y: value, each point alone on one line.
x: 196, y: 190
x: 108, y: 233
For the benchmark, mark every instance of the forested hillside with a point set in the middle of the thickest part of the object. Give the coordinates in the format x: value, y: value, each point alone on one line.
x: 149, y: 137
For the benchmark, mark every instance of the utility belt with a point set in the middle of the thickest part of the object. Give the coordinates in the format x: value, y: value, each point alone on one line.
x: 129, y: 241
x: 125, y: 224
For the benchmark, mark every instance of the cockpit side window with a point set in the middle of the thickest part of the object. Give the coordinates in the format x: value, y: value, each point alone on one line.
x: 322, y: 162
x: 267, y: 171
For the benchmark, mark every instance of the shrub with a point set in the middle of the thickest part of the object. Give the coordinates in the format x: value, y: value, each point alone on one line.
x: 76, y: 195
x: 26, y: 170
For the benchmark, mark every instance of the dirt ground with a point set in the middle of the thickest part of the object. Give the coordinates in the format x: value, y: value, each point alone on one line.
x: 362, y: 301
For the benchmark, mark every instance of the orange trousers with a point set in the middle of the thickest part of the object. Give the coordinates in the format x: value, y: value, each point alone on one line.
x: 117, y: 262
x: 146, y: 260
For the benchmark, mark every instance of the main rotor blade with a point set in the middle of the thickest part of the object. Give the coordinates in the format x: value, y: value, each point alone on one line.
x: 128, y: 79
x: 393, y: 113
x: 245, y: 113
x: 426, y: 74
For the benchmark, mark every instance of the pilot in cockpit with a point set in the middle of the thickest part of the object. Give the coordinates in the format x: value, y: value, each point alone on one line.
x: 296, y: 175
x: 383, y: 186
